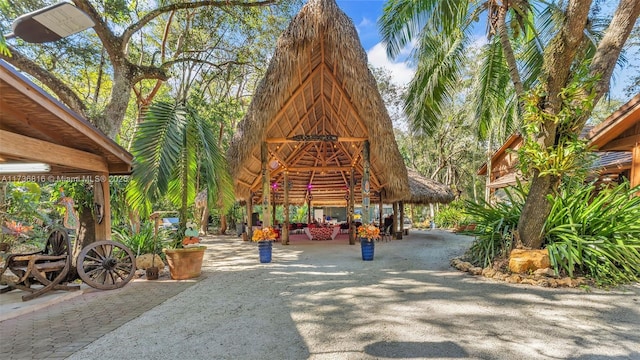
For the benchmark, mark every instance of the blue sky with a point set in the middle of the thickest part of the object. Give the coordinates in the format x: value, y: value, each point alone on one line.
x: 365, y: 14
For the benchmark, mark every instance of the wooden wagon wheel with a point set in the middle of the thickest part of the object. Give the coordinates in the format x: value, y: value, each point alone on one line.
x: 58, y: 243
x: 106, y: 265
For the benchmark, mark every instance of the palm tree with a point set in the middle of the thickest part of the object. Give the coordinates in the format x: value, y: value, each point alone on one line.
x: 443, y: 32
x: 551, y: 51
x: 173, y: 148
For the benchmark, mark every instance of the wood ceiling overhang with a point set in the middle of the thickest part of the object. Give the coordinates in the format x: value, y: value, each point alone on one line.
x: 314, y: 109
x: 35, y: 127
x: 621, y: 130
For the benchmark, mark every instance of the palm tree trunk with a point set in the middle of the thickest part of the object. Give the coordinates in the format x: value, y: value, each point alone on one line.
x: 507, y: 49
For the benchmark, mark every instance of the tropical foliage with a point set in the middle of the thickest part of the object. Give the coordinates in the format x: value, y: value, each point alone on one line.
x: 596, y: 233
x: 452, y: 215
x: 531, y: 43
x: 589, y: 232
x: 142, y: 241
x: 173, y: 149
x: 496, y: 226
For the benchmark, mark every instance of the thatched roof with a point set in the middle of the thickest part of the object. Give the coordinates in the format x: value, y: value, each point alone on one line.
x: 318, y: 85
x: 426, y: 191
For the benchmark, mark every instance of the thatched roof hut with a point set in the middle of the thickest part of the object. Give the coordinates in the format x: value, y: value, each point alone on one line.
x: 315, y: 108
x: 427, y: 191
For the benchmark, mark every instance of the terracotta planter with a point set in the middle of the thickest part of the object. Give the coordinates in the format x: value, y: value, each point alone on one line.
x: 185, y: 263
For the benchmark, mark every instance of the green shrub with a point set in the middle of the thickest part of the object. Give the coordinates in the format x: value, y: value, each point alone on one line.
x: 495, y: 227
x: 451, y: 215
x: 144, y: 241
x: 596, y: 233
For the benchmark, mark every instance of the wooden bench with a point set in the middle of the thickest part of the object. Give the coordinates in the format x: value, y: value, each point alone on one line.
x: 49, y: 267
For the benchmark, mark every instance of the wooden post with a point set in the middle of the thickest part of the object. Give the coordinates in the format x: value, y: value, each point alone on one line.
x: 309, y: 209
x: 352, y: 229
x: 365, y: 183
x: 273, y: 209
x: 102, y: 199
x: 285, y: 210
x: 380, y: 212
x: 635, y: 167
x: 394, y: 225
x: 401, y: 220
x: 249, y: 216
x: 266, y: 186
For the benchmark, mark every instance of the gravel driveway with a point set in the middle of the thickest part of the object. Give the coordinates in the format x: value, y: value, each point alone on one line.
x: 319, y: 300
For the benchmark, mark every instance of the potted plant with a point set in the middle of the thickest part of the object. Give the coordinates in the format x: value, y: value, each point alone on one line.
x: 264, y: 237
x: 368, y: 234
x: 185, y: 259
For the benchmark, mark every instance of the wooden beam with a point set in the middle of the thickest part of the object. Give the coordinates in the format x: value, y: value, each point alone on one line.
x: 366, y: 186
x: 266, y: 186
x: 101, y: 189
x: 319, y: 168
x: 340, y: 139
x: 635, y: 167
x: 350, y: 207
x: 64, y: 114
x: 30, y: 148
x: 622, y: 144
x: 285, y: 210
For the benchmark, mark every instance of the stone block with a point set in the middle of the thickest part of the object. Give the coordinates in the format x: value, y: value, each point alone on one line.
x: 548, y: 272
x: 144, y: 261
x: 522, y: 261
x: 488, y: 272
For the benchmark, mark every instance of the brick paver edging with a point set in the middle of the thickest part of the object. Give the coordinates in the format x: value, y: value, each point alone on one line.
x: 58, y: 331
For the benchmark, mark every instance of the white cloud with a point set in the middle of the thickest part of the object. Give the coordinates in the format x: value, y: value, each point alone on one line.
x: 401, y: 71
x: 365, y: 23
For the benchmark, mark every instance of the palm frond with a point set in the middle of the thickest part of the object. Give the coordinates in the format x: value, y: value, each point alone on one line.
x: 402, y: 21
x: 214, y: 166
x: 156, y: 150
x: 440, y: 62
x: 492, y: 89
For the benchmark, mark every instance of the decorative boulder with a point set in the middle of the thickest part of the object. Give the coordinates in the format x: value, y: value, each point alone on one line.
x: 522, y: 261
x: 144, y: 261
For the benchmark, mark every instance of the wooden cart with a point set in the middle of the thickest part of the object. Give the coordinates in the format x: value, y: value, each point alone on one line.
x: 102, y: 265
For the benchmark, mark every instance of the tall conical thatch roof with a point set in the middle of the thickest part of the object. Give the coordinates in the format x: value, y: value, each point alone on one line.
x: 426, y: 191
x: 318, y: 87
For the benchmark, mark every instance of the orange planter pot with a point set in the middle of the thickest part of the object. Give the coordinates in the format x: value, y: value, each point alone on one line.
x: 185, y: 263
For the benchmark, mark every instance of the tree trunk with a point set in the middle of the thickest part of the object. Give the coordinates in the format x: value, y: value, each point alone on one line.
x: 536, y: 210
x: 223, y: 224
x: 117, y: 107
x: 204, y: 220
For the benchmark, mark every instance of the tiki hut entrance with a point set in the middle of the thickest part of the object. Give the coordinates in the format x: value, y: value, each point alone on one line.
x: 317, y: 131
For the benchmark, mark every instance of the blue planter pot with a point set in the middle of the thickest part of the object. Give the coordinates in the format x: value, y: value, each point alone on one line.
x: 264, y: 249
x: 367, y: 249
